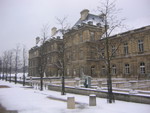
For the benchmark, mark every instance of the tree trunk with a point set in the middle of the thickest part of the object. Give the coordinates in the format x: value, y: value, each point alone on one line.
x: 110, y: 96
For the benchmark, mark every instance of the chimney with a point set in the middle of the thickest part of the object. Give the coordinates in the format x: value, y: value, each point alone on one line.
x: 53, y: 31
x: 84, y: 13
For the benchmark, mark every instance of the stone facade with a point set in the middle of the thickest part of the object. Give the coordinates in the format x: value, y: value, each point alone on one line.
x: 34, y: 61
x: 52, y: 50
x: 84, y: 51
x: 132, y: 57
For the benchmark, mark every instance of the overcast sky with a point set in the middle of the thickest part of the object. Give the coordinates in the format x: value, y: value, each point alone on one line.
x: 21, y: 20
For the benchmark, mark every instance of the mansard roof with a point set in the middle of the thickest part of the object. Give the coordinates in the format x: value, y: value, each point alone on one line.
x: 57, y: 35
x: 95, y: 19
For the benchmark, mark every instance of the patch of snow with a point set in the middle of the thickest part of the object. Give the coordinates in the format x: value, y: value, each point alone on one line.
x: 27, y: 100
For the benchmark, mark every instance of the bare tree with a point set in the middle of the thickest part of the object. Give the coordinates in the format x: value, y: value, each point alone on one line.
x: 64, y: 26
x: 10, y: 58
x: 17, y: 60
x: 43, y: 59
x: 3, y: 70
x: 6, y: 63
x: 110, y: 23
x: 0, y: 68
x: 24, y: 51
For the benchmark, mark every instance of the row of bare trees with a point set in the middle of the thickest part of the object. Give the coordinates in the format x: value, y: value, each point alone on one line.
x: 12, y: 62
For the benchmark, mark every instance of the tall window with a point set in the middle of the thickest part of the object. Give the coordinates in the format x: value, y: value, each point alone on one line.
x: 74, y: 55
x: 125, y: 48
x: 68, y: 72
x: 74, y: 72
x: 103, y: 70
x: 92, y: 70
x: 113, y: 49
x: 140, y: 45
x: 92, y: 36
x: 81, y: 37
x: 127, y: 69
x: 92, y: 54
x: 142, y: 68
x: 114, y: 71
x: 81, y: 54
x: 81, y: 71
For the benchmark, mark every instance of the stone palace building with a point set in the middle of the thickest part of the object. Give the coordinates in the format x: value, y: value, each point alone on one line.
x: 84, y: 51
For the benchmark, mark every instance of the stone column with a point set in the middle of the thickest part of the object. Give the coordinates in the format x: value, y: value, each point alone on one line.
x: 70, y: 103
x: 92, y: 100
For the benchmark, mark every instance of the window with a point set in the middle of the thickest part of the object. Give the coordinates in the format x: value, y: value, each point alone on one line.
x: 126, y: 48
x: 81, y: 37
x: 103, y: 53
x: 114, y: 71
x: 92, y: 54
x: 74, y: 72
x: 92, y: 37
x: 81, y: 71
x: 81, y: 55
x: 92, y: 70
x: 140, y: 45
x: 113, y: 50
x: 103, y: 70
x: 68, y: 72
x: 127, y: 69
x: 74, y: 55
x: 142, y: 68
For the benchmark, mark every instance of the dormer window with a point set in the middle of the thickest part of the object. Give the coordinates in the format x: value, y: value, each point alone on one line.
x: 90, y: 23
x: 58, y: 37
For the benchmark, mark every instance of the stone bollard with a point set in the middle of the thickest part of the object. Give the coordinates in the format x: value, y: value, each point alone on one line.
x: 77, y: 83
x: 30, y: 80
x: 99, y: 83
x: 92, y: 100
x: 133, y: 86
x: 70, y: 103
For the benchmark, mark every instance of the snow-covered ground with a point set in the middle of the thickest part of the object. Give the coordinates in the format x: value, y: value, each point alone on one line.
x: 27, y: 100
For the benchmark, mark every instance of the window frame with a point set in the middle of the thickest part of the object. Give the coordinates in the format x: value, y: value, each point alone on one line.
x: 127, y: 68
x: 142, y: 68
x: 140, y: 45
x: 126, y: 49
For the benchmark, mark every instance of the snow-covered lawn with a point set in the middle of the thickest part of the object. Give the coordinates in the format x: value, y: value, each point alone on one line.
x: 27, y: 100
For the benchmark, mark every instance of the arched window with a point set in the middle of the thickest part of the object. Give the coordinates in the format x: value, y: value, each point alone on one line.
x: 142, y: 68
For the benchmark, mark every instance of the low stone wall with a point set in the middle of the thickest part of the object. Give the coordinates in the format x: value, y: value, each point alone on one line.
x: 103, y: 94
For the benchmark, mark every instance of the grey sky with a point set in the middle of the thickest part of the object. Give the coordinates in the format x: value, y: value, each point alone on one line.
x: 21, y: 20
